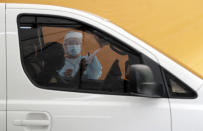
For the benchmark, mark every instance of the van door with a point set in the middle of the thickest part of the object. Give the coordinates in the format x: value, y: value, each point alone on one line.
x: 67, y: 72
x: 2, y: 70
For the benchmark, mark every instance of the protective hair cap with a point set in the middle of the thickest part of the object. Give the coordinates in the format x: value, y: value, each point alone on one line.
x: 73, y: 34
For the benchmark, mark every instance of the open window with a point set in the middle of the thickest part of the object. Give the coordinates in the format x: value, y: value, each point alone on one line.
x: 64, y: 54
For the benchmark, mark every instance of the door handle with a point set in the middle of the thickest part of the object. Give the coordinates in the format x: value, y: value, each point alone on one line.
x: 38, y: 123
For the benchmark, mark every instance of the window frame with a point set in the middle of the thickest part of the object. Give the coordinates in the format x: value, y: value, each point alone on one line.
x: 121, y: 43
x: 167, y: 76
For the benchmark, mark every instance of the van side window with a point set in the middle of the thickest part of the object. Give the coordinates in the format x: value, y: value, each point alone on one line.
x: 63, y: 54
x: 178, y: 89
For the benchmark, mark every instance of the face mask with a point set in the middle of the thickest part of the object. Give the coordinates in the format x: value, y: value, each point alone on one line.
x: 73, y: 50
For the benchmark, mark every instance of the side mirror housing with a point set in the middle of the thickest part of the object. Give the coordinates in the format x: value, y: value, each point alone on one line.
x: 141, y: 81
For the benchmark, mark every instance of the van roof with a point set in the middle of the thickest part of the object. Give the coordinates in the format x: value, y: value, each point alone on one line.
x: 173, y: 27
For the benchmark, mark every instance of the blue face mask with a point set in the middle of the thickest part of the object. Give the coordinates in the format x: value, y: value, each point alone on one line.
x: 73, y: 50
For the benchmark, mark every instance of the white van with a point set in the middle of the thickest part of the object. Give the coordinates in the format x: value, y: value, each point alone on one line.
x: 134, y: 87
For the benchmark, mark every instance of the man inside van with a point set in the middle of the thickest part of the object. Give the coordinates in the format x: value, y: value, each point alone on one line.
x: 91, y: 67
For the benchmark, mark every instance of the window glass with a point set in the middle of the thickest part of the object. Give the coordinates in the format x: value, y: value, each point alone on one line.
x: 63, y: 54
x: 177, y: 88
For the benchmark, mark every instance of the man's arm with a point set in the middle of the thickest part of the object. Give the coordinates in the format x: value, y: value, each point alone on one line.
x: 94, y: 69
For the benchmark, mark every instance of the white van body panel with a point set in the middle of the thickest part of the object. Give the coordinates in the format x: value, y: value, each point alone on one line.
x: 187, y: 113
x: 180, y: 72
x: 2, y: 70
x: 71, y: 111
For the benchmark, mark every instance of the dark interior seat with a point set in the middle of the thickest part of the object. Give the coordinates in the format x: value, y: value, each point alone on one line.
x: 44, y: 66
x: 53, y: 57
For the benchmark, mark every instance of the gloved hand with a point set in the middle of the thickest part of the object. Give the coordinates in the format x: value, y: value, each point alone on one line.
x: 68, y: 73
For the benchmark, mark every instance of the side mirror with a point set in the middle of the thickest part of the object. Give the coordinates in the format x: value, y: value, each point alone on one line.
x: 141, y: 81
